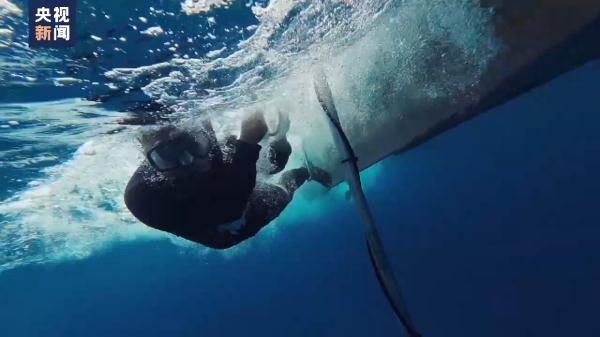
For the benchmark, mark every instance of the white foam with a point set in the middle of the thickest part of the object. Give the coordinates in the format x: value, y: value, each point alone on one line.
x: 6, y: 32
x: 8, y: 8
x: 192, y: 7
x: 153, y: 31
x: 216, y: 52
x: 76, y: 210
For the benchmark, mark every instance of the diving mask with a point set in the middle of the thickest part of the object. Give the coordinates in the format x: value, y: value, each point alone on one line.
x: 178, y: 152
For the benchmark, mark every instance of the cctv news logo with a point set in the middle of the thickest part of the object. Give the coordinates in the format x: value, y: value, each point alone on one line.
x: 52, y: 23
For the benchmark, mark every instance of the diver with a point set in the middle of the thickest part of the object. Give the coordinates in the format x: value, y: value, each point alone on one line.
x: 206, y: 191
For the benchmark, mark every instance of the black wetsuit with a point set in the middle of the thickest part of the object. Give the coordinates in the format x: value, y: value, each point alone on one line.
x: 198, y: 207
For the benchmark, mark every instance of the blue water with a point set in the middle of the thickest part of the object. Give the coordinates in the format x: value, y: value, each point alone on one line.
x: 492, y: 228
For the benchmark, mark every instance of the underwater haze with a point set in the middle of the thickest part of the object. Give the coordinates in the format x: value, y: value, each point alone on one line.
x: 492, y: 228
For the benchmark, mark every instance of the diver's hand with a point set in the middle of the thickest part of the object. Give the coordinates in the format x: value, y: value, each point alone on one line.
x: 254, y: 128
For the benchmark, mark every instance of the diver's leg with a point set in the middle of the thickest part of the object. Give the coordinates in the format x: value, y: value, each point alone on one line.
x: 265, y: 204
x: 293, y: 179
x: 268, y: 201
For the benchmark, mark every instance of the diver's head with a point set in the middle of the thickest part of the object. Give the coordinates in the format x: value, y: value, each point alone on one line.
x: 174, y: 151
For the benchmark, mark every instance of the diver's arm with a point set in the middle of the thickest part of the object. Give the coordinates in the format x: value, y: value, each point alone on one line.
x: 215, y: 152
x: 240, y: 172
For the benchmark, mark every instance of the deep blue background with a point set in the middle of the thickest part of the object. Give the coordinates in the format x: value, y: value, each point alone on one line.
x: 493, y: 228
